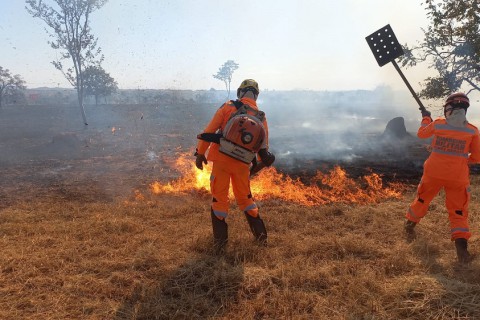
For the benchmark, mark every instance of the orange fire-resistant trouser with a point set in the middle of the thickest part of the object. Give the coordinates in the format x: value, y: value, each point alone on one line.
x: 239, y: 174
x: 457, y: 196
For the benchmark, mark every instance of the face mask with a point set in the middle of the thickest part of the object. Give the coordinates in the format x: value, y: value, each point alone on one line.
x: 457, y: 118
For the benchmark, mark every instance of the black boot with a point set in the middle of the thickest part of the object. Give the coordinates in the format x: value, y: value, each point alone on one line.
x: 409, y: 228
x: 258, y: 228
x: 220, y: 233
x: 463, y: 255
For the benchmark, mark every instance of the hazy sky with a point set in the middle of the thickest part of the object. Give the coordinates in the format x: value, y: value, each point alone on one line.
x: 180, y: 44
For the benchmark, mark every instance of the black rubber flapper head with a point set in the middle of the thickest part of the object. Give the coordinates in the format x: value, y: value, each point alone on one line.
x: 384, y: 45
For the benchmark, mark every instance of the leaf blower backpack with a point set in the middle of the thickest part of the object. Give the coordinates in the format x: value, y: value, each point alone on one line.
x: 244, y: 134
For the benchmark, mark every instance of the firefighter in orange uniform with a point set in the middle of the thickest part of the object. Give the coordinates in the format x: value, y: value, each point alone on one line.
x: 228, y: 169
x: 455, y: 144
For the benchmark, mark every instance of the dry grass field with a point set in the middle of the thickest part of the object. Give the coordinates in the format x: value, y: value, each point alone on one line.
x: 85, y: 235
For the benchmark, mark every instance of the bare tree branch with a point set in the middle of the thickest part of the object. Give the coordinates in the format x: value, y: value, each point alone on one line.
x: 225, y: 73
x: 70, y: 28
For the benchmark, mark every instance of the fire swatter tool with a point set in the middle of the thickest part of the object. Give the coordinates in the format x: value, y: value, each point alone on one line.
x: 385, y: 48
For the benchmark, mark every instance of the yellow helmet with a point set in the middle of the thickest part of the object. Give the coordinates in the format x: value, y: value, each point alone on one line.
x: 248, y: 85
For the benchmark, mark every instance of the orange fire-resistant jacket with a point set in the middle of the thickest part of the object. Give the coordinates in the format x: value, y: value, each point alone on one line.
x: 219, y: 122
x: 453, y: 148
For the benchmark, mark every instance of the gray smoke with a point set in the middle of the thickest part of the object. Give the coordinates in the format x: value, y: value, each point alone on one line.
x: 338, y: 125
x: 133, y: 140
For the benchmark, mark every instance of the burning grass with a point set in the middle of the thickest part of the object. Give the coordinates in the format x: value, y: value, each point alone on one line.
x: 323, y: 188
x: 151, y: 258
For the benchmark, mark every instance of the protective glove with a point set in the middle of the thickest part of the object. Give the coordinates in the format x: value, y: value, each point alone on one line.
x: 200, y: 161
x: 426, y: 113
x: 267, y: 157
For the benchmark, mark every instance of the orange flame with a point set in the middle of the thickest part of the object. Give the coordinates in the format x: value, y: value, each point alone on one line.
x: 334, y: 186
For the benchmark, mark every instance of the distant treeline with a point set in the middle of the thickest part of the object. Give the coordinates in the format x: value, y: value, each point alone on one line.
x: 352, y: 99
x: 42, y: 96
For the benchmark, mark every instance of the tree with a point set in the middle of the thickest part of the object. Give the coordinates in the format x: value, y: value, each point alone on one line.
x: 451, y: 46
x: 10, y: 85
x: 98, y: 82
x: 69, y: 22
x: 225, y: 73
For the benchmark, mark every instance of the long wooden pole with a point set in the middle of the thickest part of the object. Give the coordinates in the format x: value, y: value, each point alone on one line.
x: 422, y: 108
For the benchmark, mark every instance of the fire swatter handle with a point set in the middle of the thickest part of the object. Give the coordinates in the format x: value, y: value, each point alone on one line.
x: 422, y: 108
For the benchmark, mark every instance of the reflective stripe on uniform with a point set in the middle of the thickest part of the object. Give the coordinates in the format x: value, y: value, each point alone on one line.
x: 459, y: 229
x: 455, y: 154
x: 410, y: 211
x: 220, y: 214
x: 252, y: 210
x: 452, y: 128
